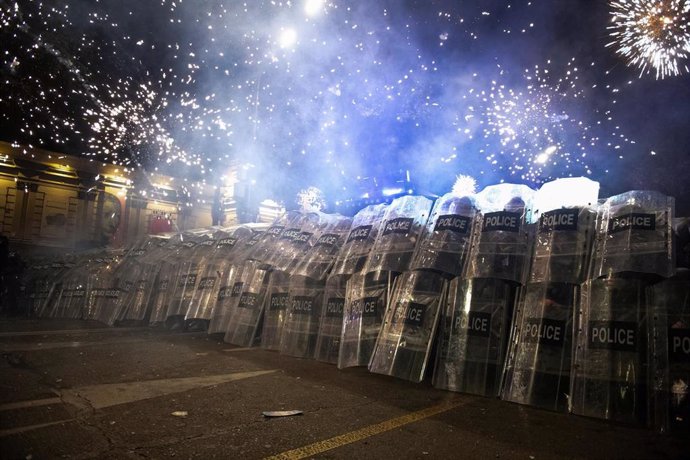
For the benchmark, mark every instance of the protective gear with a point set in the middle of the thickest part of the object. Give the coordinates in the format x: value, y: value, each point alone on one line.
x: 404, y: 344
x: 474, y: 335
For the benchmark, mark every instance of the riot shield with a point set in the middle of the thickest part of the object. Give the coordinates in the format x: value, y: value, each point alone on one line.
x: 635, y: 235
x: 409, y: 326
x: 540, y: 351
x: 319, y: 259
x: 669, y: 365
x: 403, y: 222
x: 245, y: 321
x: 303, y: 316
x: 231, y: 283
x: 162, y: 288
x: 609, y: 376
x: 328, y: 337
x: 473, y: 336
x: 276, y: 310
x: 502, y: 250
x: 447, y: 235
x: 294, y: 243
x: 137, y: 281
x: 366, y: 300
x: 357, y: 246
x: 563, y: 245
x: 211, y: 265
x: 187, y: 277
x: 266, y: 246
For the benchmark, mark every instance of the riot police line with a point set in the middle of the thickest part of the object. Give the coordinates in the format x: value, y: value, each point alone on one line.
x: 551, y: 298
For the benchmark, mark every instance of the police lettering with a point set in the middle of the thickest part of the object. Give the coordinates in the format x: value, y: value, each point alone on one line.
x: 633, y: 221
x: 453, y: 223
x: 476, y: 323
x: 186, y: 280
x: 561, y: 219
x: 302, y: 237
x: 248, y: 300
x: 329, y: 239
x: 207, y: 243
x: 207, y: 283
x: 411, y: 314
x: 359, y: 233
x: 224, y: 292
x: 139, y: 252
x: 255, y: 239
x: 334, y: 307
x: 502, y: 221
x: 613, y: 335
x: 302, y: 305
x: 544, y: 331
x: 275, y: 230
x: 369, y: 305
x: 399, y: 225
x: 679, y: 345
x: 279, y: 301
x: 290, y: 234
x: 227, y: 242
x: 163, y: 285
x: 237, y: 289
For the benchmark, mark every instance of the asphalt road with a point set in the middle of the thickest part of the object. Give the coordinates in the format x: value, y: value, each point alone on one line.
x: 73, y: 389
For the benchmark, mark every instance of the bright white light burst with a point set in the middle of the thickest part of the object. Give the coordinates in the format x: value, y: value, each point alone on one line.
x: 653, y: 35
x: 287, y: 38
x: 464, y: 185
x: 311, y: 199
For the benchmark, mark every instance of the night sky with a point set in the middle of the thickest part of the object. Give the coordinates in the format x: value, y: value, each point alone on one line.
x: 350, y: 97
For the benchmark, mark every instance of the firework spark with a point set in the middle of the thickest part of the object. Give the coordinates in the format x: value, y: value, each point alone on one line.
x: 653, y: 35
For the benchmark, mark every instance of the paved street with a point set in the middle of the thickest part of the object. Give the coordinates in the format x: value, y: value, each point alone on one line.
x: 72, y: 389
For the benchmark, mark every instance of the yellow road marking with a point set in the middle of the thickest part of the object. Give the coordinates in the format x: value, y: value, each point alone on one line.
x: 363, y: 433
x: 30, y: 403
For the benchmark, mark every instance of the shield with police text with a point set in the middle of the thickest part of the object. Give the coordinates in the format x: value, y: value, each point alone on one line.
x: 634, y: 234
x: 277, y: 302
x: 563, y: 245
x: 540, y: 352
x: 359, y: 241
x: 473, y: 336
x: 303, y: 314
x: 502, y: 248
x: 331, y: 325
x: 610, y: 366
x: 447, y: 235
x: 366, y: 300
x: 231, y: 283
x: 669, y: 365
x: 409, y: 326
x: 247, y: 315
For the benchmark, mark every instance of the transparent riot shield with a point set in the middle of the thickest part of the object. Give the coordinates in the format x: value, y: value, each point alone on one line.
x: 357, y: 246
x: 609, y: 376
x: 295, y: 243
x: 276, y: 310
x: 164, y: 281
x: 447, y: 235
x: 70, y: 299
x: 54, y: 279
x: 40, y: 288
x: 400, y: 231
x: 231, y: 284
x: 319, y: 259
x: 474, y: 335
x: 367, y: 297
x: 245, y: 322
x: 187, y: 277
x: 267, y: 245
x: 502, y: 250
x: 211, y: 266
x: 563, y: 245
x: 408, y: 332
x: 669, y: 365
x: 540, y: 352
x: 635, y: 235
x: 303, y: 316
x: 136, y: 282
x: 330, y: 328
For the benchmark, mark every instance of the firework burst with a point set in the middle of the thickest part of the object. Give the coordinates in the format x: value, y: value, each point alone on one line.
x: 653, y: 35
